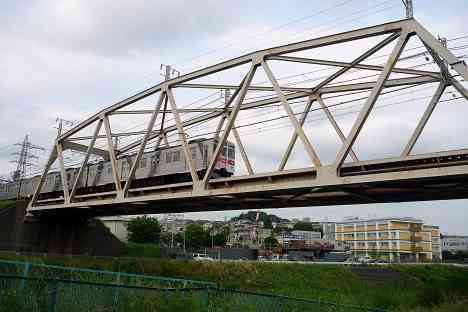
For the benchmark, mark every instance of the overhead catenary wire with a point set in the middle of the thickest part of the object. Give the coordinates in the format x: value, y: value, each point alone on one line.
x: 448, y: 40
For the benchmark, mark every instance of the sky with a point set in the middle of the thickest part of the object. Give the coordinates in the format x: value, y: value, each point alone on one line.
x: 70, y: 59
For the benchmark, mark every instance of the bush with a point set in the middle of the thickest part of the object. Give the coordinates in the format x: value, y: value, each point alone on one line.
x: 142, y: 250
x: 143, y: 230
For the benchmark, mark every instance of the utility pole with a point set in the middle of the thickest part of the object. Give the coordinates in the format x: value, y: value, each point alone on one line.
x: 409, y: 8
x: 23, y: 161
x: 227, y: 95
x: 167, y: 71
x: 61, y: 123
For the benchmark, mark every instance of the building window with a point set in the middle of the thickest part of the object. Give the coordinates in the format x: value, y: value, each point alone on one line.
x: 143, y: 163
x: 168, y: 157
x: 372, y: 235
x: 109, y: 170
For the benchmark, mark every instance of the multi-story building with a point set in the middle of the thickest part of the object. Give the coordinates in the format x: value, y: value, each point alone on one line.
x: 307, y: 237
x: 435, y: 241
x: 173, y: 226
x: 454, y: 243
x: 328, y: 230
x: 395, y: 239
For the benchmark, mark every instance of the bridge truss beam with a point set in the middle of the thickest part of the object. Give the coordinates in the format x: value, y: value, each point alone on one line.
x: 333, y: 176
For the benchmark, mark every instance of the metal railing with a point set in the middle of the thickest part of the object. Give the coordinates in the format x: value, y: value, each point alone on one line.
x: 28, y: 269
x: 19, y: 293
x: 23, y: 288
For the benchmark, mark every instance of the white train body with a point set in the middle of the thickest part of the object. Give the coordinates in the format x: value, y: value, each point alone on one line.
x: 163, y: 166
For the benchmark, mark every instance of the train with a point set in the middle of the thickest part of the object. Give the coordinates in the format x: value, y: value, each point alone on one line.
x: 162, y: 166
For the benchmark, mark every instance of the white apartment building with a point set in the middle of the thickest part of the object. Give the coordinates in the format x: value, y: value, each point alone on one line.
x: 454, y: 243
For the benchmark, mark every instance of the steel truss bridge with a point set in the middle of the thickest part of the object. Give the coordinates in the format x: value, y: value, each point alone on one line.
x: 409, y: 177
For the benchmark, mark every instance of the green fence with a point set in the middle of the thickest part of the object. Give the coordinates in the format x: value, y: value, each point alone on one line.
x: 28, y: 291
x: 28, y: 269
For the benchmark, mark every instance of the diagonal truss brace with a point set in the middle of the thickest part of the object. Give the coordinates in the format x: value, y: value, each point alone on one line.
x: 230, y: 123
x: 369, y: 104
x: 113, y: 160
x: 335, y: 125
x: 297, y: 127
x: 182, y: 136
x: 137, y: 159
x: 85, y: 161
x: 424, y: 119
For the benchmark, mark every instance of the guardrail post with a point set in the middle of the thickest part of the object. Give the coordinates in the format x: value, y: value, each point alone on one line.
x: 205, y: 299
x: 116, y: 291
x: 54, y: 298
x: 27, y: 267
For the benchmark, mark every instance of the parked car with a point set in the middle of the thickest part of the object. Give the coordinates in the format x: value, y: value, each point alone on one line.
x: 365, y: 260
x: 201, y: 257
x: 381, y: 261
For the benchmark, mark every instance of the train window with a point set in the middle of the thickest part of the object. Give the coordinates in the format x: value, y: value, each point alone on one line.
x: 231, y: 152
x: 176, y: 156
x: 143, y: 163
x: 168, y: 157
x: 193, y: 152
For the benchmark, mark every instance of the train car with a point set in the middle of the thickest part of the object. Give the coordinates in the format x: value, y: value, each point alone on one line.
x: 163, y: 166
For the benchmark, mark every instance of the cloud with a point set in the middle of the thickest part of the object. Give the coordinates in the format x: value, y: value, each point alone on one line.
x: 72, y: 58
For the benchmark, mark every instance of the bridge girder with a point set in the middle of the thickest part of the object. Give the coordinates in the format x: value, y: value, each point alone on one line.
x: 329, y: 176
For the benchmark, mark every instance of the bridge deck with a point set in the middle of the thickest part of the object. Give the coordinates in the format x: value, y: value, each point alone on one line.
x: 434, y: 176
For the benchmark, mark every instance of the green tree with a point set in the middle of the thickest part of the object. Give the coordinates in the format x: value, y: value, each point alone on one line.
x: 195, y: 236
x: 308, y: 226
x: 221, y: 237
x: 281, y: 229
x: 304, y: 226
x: 143, y: 230
x: 270, y: 242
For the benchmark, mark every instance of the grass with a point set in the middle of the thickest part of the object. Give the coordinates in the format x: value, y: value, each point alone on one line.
x: 142, y: 250
x: 435, y: 288
x: 7, y: 204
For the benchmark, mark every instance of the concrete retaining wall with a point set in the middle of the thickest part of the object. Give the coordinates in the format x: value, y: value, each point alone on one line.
x: 60, y: 235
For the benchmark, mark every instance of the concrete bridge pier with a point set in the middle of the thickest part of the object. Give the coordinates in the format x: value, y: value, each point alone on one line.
x: 74, y: 235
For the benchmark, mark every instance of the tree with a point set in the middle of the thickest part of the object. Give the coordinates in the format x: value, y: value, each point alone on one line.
x: 304, y: 226
x: 270, y: 242
x: 281, y: 229
x: 195, y: 236
x: 221, y: 237
x: 143, y: 230
x: 308, y: 226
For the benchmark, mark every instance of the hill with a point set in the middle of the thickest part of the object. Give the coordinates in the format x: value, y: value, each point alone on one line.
x: 267, y: 219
